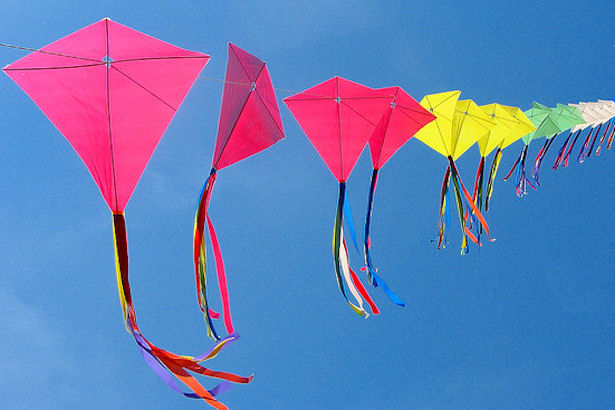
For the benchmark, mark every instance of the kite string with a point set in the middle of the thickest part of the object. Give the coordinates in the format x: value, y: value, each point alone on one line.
x: 283, y: 90
x: 45, y: 52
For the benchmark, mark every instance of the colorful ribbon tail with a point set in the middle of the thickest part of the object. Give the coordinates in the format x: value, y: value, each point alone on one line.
x: 350, y: 222
x: 162, y: 362
x: 340, y: 257
x: 540, y: 157
x: 475, y: 209
x: 464, y: 238
x: 200, y: 254
x: 514, y: 166
x: 494, y: 170
x: 560, y: 153
x: 610, y: 140
x: 591, y: 146
x: 222, y: 283
x: 603, y: 137
x: 574, y: 141
x: 368, y: 219
x: 443, y: 207
x: 391, y: 295
x: 581, y: 156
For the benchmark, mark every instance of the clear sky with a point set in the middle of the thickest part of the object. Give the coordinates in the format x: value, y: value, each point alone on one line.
x: 524, y: 322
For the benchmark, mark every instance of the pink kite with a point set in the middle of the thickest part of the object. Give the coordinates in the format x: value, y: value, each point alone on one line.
x: 249, y: 123
x: 338, y: 116
x: 401, y: 120
x: 112, y: 91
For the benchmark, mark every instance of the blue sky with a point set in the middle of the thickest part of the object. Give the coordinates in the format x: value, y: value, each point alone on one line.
x: 526, y: 321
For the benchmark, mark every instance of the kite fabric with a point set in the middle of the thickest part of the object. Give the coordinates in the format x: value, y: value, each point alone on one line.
x: 112, y: 91
x: 338, y: 116
x: 458, y: 125
x: 249, y: 123
x: 401, y: 120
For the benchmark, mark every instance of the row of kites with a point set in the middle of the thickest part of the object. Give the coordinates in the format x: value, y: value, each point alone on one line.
x: 112, y: 91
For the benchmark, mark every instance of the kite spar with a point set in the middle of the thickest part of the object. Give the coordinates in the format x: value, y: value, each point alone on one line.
x: 112, y: 91
x: 249, y: 123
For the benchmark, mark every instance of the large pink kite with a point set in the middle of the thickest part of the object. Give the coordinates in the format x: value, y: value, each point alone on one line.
x: 249, y: 123
x: 338, y: 116
x: 112, y: 91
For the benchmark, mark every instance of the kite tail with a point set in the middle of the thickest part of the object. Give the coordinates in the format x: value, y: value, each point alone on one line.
x: 574, y: 141
x: 521, y: 180
x: 369, y: 266
x: 494, y: 170
x: 200, y: 255
x: 458, y: 183
x: 540, y: 157
x: 166, y: 364
x: 610, y: 141
x: 514, y: 166
x: 443, y: 194
x: 368, y: 220
x: 584, y: 147
x: 464, y: 240
x: 222, y: 284
x: 604, y: 134
x: 480, y: 176
x: 562, y: 150
x: 344, y: 275
x: 477, y: 194
x: 591, y: 147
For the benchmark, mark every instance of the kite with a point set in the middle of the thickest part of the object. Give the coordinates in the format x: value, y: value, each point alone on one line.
x: 458, y: 125
x: 593, y: 113
x: 539, y: 116
x: 565, y: 117
x: 401, y: 120
x: 511, y: 124
x: 602, y: 114
x: 249, y: 123
x: 590, y: 118
x: 339, y: 116
x: 112, y: 91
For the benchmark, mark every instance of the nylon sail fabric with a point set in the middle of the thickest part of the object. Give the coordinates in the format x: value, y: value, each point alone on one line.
x: 113, y: 100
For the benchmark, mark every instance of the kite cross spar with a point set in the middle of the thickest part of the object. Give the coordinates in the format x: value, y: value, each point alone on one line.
x: 249, y: 123
x: 112, y: 91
